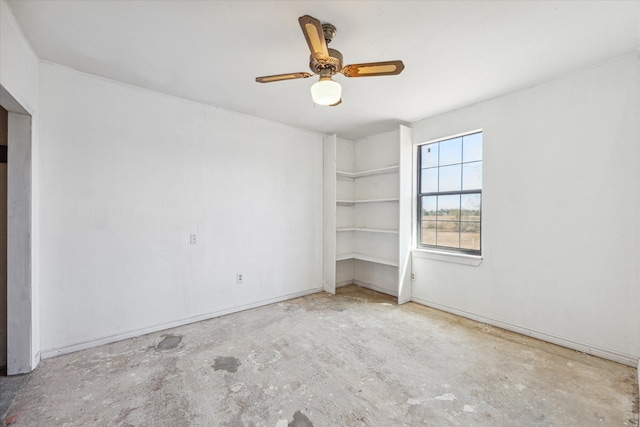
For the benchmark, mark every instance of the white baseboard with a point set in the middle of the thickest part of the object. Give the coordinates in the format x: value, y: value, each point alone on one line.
x: 625, y: 359
x: 368, y: 286
x: 344, y: 283
x: 71, y: 348
x: 375, y: 288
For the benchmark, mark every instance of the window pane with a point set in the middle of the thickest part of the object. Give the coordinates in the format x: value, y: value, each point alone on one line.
x: 472, y: 176
x: 448, y: 218
x: 448, y: 234
x: 429, y: 207
x: 472, y: 147
x: 450, y: 178
x: 471, y: 207
x: 470, y: 235
x: 429, y: 155
x: 428, y: 233
x: 429, y: 180
x: 451, y: 151
x: 449, y: 208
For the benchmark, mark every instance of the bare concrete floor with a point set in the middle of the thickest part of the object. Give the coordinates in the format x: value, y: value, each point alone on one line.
x: 356, y: 359
x: 9, y: 388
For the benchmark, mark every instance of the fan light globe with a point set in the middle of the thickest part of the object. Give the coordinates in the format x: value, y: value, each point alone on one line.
x: 326, y: 92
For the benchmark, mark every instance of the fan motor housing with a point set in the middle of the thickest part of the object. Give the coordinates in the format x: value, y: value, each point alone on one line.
x: 334, y: 62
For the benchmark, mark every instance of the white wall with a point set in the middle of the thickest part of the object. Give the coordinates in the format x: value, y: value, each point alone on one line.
x: 18, y: 62
x: 128, y: 174
x: 376, y: 151
x: 561, y: 203
x: 329, y: 214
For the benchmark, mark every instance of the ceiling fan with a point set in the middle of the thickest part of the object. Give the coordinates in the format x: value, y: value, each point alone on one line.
x: 326, y: 62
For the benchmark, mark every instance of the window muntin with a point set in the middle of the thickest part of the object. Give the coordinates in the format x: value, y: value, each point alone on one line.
x: 450, y: 194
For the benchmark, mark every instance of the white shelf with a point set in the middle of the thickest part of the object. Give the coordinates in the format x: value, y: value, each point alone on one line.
x: 351, y: 202
x: 342, y: 257
x: 389, y: 169
x: 369, y: 258
x: 368, y: 230
x: 377, y: 200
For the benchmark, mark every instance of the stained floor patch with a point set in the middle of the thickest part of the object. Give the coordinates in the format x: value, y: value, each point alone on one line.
x: 226, y: 363
x: 300, y: 420
x: 169, y: 342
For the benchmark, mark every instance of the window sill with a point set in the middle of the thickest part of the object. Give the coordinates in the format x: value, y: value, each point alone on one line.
x: 464, y: 259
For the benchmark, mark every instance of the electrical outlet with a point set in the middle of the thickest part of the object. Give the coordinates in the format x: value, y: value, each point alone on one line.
x: 239, y: 278
x: 193, y: 239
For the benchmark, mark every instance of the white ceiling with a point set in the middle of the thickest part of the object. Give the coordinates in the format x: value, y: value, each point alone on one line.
x: 455, y: 52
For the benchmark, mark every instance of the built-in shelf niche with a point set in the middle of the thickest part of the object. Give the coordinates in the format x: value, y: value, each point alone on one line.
x: 367, y: 228
x: 367, y: 204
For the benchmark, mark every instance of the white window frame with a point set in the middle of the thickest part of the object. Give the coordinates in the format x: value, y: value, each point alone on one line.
x: 447, y: 254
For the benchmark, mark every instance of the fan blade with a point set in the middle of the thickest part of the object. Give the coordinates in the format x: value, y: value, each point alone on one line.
x: 278, y: 77
x: 388, y: 68
x: 337, y: 103
x: 312, y: 29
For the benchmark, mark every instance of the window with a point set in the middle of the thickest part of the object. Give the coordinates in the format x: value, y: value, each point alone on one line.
x: 450, y: 194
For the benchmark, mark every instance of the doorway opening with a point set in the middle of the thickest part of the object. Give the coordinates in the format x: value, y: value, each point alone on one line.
x: 20, y: 295
x: 4, y: 139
